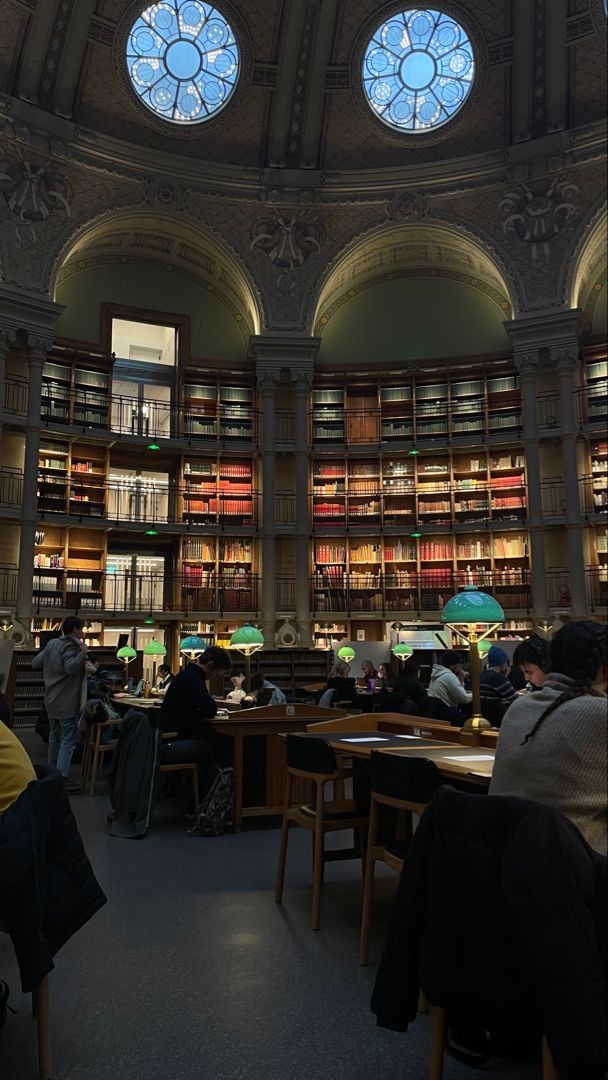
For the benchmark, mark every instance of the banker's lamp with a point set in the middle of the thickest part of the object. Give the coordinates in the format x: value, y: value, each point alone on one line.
x: 247, y: 640
x: 192, y: 646
x: 473, y: 616
x: 126, y: 655
x: 402, y: 651
x: 347, y: 653
x: 154, y: 649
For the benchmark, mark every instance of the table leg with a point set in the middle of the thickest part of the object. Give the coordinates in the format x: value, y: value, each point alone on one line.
x: 238, y: 781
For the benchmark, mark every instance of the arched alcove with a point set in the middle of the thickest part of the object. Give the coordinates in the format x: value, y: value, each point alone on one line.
x: 412, y: 293
x: 157, y: 262
x: 588, y: 280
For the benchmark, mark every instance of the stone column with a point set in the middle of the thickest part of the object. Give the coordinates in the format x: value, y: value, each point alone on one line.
x: 527, y: 364
x: 302, y: 386
x: 38, y: 347
x: 7, y: 337
x: 267, y: 382
x: 566, y: 360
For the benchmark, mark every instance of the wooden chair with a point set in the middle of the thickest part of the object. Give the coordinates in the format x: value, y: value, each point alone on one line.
x: 314, y: 761
x: 93, y: 751
x: 438, y: 1032
x: 407, y: 785
x: 41, y: 1013
x: 192, y: 768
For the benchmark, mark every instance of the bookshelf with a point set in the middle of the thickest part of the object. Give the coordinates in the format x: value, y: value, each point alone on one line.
x: 199, y: 580
x: 218, y: 491
x: 218, y: 574
x: 396, y: 413
x: 328, y: 416
x: 292, y: 669
x: 53, y: 472
x: 325, y: 634
x: 48, y: 586
x: 599, y: 476
x: 85, y: 568
x: 76, y: 389
x: 88, y: 480
x: 507, y: 480
x: 596, y: 384
x: 215, y: 410
x: 235, y: 574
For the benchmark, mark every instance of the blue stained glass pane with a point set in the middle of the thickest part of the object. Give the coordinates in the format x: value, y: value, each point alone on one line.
x: 418, y: 69
x: 183, y: 60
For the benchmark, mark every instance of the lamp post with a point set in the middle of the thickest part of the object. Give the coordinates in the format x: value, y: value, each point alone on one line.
x: 126, y: 655
x: 247, y: 640
x: 155, y: 649
x: 192, y: 646
x: 465, y: 614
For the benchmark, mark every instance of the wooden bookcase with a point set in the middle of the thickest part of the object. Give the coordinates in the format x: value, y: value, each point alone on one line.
x: 219, y: 573
x: 219, y: 491
x: 76, y: 388
x: 217, y: 410
x: 88, y: 480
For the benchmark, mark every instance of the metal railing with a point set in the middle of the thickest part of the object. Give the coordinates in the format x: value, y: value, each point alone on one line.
x: 284, y: 427
x: 15, y: 395
x: 427, y: 422
x: 285, y: 594
x: 206, y: 424
x: 97, y: 591
x: 285, y: 507
x: 597, y: 589
x: 145, y: 502
x: 591, y: 410
x: 594, y: 496
x: 11, y: 487
x: 553, y: 497
x: 428, y: 590
x: 8, y: 584
x: 547, y: 412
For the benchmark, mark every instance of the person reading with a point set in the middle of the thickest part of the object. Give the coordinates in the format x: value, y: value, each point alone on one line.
x: 552, y: 744
x: 494, y: 680
x: 188, y: 706
x: 344, y: 687
x: 447, y: 688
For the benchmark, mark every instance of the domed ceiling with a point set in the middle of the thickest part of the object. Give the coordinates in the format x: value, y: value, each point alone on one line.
x: 298, y: 102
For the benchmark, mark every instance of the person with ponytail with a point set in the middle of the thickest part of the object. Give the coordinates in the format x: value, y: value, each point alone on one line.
x: 552, y: 744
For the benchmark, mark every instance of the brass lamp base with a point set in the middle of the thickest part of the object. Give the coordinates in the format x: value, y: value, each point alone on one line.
x: 477, y: 723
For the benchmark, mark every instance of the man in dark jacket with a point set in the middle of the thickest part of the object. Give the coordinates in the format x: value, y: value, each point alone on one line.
x: 186, y: 708
x: 539, y: 958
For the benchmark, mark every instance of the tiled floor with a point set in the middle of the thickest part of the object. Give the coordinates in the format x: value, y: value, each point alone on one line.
x: 191, y: 972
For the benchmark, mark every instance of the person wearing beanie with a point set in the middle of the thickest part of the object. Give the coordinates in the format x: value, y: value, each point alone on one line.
x: 494, y: 681
x: 447, y: 682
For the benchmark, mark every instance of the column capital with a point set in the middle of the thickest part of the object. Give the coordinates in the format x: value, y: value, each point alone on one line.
x: 565, y: 358
x: 527, y: 363
x: 302, y: 381
x: 39, y: 346
x: 537, y: 331
x: 8, y: 336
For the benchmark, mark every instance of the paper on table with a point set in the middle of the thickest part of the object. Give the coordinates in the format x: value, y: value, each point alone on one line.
x: 416, y: 737
x: 366, y: 738
x: 469, y: 757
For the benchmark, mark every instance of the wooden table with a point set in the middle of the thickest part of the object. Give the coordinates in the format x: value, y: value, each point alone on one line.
x: 129, y: 701
x: 268, y: 721
x: 474, y: 764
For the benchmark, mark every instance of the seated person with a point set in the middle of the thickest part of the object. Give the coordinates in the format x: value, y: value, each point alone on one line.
x: 16, y: 769
x: 385, y: 678
x: 345, y: 687
x: 552, y: 744
x: 369, y: 672
x: 186, y: 708
x: 238, y: 691
x: 532, y: 659
x: 164, y: 678
x: 263, y: 692
x: 447, y: 687
x: 494, y: 680
x: 408, y: 688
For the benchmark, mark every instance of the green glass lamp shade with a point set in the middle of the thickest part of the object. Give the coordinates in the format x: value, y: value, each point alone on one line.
x: 126, y: 654
x: 154, y: 648
x: 193, y: 644
x: 483, y: 647
x: 472, y: 606
x: 247, y: 639
x: 402, y: 651
x: 346, y: 653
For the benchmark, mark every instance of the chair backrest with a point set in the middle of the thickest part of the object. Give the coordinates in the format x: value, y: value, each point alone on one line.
x: 325, y: 701
x: 310, y: 755
x: 414, y: 779
x: 493, y: 710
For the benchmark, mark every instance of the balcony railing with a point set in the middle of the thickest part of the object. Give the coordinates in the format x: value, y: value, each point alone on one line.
x: 594, y: 496
x: 427, y: 422
x: 11, y: 487
x: 385, y: 594
x: 233, y: 424
x: 15, y: 395
x: 8, y: 585
x: 553, y: 497
x: 597, y: 588
x: 547, y: 412
x: 591, y: 409
x: 285, y: 507
x: 145, y: 593
x: 145, y: 503
x: 285, y: 595
x: 284, y: 427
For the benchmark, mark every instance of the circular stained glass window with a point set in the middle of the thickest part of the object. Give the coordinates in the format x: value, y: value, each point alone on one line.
x: 183, y: 60
x: 418, y: 70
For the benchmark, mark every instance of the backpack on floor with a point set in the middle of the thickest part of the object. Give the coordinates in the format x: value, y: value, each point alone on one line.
x: 216, y: 810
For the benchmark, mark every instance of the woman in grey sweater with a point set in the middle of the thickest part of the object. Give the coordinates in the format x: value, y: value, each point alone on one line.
x: 552, y: 744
